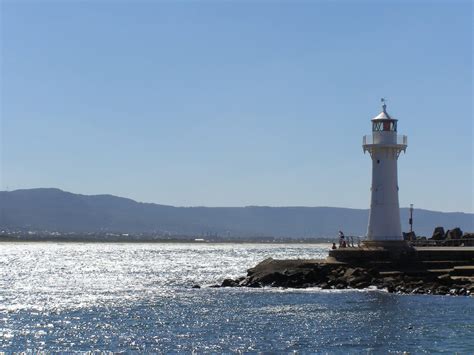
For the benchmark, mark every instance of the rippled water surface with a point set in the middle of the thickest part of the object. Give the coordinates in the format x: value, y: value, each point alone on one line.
x: 121, y: 297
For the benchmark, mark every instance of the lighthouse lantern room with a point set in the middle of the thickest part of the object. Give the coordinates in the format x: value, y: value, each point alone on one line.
x: 384, y: 146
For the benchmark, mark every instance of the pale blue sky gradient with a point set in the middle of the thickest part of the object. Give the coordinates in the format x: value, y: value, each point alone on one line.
x: 232, y: 104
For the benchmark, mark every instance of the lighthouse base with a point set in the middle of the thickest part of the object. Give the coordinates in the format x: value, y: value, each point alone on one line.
x: 393, y: 251
x: 386, y: 244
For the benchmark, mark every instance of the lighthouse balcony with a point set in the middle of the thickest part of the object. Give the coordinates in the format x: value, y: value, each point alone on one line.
x: 397, y: 142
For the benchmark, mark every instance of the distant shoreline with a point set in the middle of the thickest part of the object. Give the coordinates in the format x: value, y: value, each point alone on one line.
x: 7, y: 239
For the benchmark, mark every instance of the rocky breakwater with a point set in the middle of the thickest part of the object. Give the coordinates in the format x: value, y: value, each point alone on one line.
x: 332, y: 274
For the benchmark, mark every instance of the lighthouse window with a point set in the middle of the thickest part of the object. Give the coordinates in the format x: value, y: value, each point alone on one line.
x: 387, y: 126
x: 378, y: 161
x: 377, y: 126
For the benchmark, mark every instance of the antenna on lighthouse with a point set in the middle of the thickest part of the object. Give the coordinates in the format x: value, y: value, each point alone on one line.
x: 384, y: 105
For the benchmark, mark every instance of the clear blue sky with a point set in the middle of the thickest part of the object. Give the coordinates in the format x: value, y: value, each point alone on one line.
x: 232, y: 104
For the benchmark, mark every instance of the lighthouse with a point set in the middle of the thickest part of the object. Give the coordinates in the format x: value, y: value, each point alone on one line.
x: 384, y: 146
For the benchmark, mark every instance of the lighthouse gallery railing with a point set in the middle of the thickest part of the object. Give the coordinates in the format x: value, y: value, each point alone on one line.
x: 401, y: 140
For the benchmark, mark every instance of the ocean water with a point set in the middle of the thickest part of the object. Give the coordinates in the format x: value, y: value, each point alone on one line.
x: 138, y: 297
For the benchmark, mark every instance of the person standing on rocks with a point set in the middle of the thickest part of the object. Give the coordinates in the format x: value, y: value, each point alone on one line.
x: 341, y: 239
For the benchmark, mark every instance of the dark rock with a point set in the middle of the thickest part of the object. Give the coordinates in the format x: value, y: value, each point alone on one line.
x: 353, y: 272
x: 468, y: 236
x: 355, y: 280
x: 275, y: 278
x: 455, y: 233
x: 442, y: 290
x: 229, y: 283
x: 244, y: 282
x: 332, y: 281
x: 388, y: 279
x: 399, y: 289
x: 196, y: 286
x: 286, y: 272
x: 445, y: 279
x: 453, y: 291
x: 362, y: 284
x: 438, y: 233
x: 429, y: 277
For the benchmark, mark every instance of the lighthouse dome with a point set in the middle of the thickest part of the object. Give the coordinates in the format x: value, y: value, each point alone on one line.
x: 383, y: 116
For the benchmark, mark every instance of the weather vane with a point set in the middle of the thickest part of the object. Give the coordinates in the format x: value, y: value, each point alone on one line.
x: 384, y: 105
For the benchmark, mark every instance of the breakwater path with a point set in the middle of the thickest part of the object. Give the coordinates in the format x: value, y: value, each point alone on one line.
x: 435, y: 270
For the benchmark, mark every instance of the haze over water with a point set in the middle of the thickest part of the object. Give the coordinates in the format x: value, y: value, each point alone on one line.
x: 119, y: 297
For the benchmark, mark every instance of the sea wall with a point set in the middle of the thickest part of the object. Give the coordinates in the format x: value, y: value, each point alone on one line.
x: 417, y: 276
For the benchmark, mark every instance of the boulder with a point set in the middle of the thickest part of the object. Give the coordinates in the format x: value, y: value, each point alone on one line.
x: 362, y: 284
x: 274, y: 278
x: 352, y: 272
x: 364, y: 279
x: 438, y: 233
x: 229, y: 283
x: 445, y: 279
x: 455, y: 233
x: 389, y: 279
x: 442, y: 290
x: 348, y: 273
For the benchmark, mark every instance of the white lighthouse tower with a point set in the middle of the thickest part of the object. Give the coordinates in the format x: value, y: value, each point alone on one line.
x: 384, y: 146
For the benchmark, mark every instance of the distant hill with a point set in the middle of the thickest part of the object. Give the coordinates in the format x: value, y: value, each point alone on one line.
x: 57, y: 210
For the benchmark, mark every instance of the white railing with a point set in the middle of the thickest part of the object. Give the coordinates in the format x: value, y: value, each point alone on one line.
x: 402, y: 140
x: 369, y: 139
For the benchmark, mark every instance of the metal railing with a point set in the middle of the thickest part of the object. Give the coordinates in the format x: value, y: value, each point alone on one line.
x: 369, y: 139
x: 351, y: 242
x: 401, y: 139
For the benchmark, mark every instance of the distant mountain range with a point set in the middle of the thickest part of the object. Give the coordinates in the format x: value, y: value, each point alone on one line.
x: 57, y: 210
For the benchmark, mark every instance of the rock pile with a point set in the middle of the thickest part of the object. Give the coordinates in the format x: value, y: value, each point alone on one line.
x: 440, y: 237
x: 336, y: 275
x: 450, y: 234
